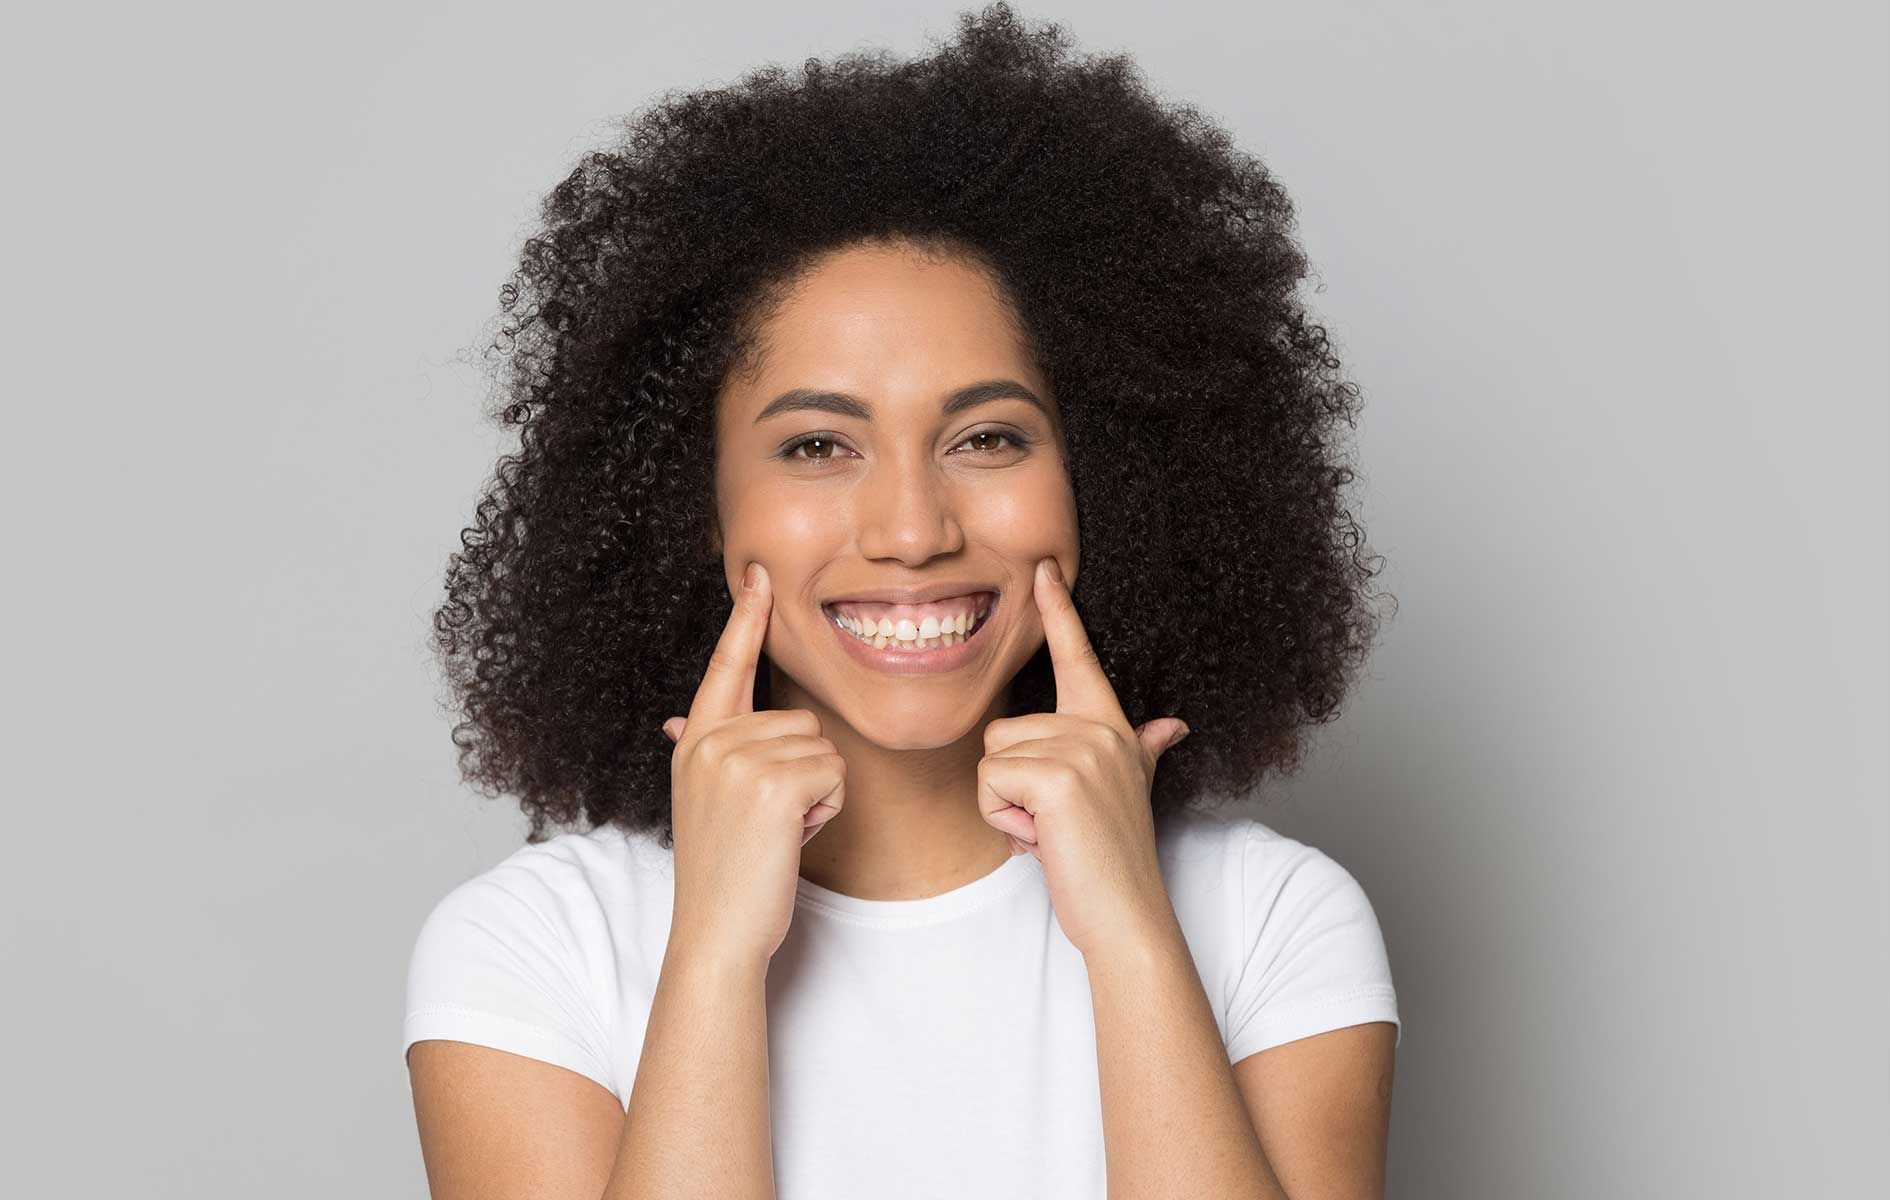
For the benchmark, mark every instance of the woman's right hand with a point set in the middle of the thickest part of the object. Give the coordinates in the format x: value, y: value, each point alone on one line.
x: 747, y: 791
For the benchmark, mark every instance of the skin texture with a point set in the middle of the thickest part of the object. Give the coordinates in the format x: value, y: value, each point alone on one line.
x: 905, y: 497
x: 933, y: 773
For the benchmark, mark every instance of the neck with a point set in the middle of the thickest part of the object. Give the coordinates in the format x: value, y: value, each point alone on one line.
x: 910, y: 826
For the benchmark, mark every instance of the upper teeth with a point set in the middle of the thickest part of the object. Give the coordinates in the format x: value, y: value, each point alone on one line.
x: 950, y: 624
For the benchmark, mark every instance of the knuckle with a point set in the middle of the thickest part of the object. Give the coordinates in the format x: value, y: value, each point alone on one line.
x: 737, y: 762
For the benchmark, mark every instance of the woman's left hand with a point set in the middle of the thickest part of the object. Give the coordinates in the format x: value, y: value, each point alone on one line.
x: 1072, y: 787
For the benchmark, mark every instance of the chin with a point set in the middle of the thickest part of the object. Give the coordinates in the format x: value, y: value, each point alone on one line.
x: 909, y: 740
x: 896, y: 726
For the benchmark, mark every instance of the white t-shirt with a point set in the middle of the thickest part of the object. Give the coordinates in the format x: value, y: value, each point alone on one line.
x: 944, y: 1046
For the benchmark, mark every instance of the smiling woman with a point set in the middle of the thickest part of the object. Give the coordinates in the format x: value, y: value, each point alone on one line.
x: 933, y: 499
x: 926, y: 449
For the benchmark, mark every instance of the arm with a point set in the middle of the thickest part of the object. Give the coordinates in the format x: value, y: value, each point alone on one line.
x: 1176, y: 1118
x: 501, y: 1126
x: 698, y: 1122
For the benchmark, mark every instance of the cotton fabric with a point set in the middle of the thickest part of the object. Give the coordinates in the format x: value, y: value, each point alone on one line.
x: 942, y: 1046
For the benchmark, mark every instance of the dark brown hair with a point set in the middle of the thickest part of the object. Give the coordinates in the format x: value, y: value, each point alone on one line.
x: 1224, y: 578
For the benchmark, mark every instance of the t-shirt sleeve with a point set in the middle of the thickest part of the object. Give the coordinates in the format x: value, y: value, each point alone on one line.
x: 490, y: 968
x: 1315, y: 957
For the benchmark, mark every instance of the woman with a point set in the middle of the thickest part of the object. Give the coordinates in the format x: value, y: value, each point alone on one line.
x: 989, y: 366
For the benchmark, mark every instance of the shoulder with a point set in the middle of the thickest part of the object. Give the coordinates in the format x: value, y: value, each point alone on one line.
x: 1207, y: 853
x: 1285, y: 937
x: 558, y: 890
x: 601, y: 866
x: 1213, y: 851
x: 526, y: 955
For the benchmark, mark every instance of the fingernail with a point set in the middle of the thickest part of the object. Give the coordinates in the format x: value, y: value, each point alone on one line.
x: 751, y: 578
x: 1055, y: 571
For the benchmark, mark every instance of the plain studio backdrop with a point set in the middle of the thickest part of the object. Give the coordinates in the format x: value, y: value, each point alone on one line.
x: 1614, y: 281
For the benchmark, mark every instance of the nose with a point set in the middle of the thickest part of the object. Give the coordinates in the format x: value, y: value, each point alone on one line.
x: 908, y: 513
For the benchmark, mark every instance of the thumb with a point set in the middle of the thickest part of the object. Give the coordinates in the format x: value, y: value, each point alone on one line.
x: 673, y: 728
x: 1161, y: 735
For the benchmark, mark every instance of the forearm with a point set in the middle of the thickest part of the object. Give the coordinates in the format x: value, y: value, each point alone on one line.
x: 698, y: 1122
x: 1174, y: 1123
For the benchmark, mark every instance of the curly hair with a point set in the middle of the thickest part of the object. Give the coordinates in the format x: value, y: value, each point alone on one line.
x: 1153, y: 266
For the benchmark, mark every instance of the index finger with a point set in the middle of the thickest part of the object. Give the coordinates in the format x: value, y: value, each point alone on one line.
x: 728, y: 685
x: 1082, y: 687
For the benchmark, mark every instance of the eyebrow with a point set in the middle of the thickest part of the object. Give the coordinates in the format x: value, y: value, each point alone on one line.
x: 842, y: 404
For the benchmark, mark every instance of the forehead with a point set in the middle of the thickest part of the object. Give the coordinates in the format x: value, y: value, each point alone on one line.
x: 888, y: 323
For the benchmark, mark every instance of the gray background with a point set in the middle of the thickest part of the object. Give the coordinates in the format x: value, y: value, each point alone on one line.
x: 1614, y: 280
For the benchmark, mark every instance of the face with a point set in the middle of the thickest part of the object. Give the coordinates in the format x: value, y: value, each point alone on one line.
x: 887, y: 464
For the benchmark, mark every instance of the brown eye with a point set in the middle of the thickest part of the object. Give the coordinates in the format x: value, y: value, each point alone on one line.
x: 988, y: 441
x: 826, y: 445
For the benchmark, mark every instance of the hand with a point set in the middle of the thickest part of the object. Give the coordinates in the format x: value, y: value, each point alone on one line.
x: 1072, y: 786
x: 747, y: 789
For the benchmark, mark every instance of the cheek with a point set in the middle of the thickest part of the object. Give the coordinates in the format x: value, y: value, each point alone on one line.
x: 783, y: 528
x: 1035, y: 517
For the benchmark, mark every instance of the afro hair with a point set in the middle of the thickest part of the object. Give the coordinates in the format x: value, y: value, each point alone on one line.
x: 1225, y: 578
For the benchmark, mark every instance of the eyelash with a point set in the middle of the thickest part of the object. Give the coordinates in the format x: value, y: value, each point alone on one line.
x: 1017, y: 440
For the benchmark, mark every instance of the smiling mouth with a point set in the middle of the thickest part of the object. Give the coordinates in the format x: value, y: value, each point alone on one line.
x: 914, y: 628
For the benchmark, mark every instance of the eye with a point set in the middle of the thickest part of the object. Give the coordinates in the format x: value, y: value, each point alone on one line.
x: 989, y: 436
x: 823, y: 447
x: 825, y: 442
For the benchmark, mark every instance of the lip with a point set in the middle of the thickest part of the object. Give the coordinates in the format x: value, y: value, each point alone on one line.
x: 915, y: 662
x: 943, y: 589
